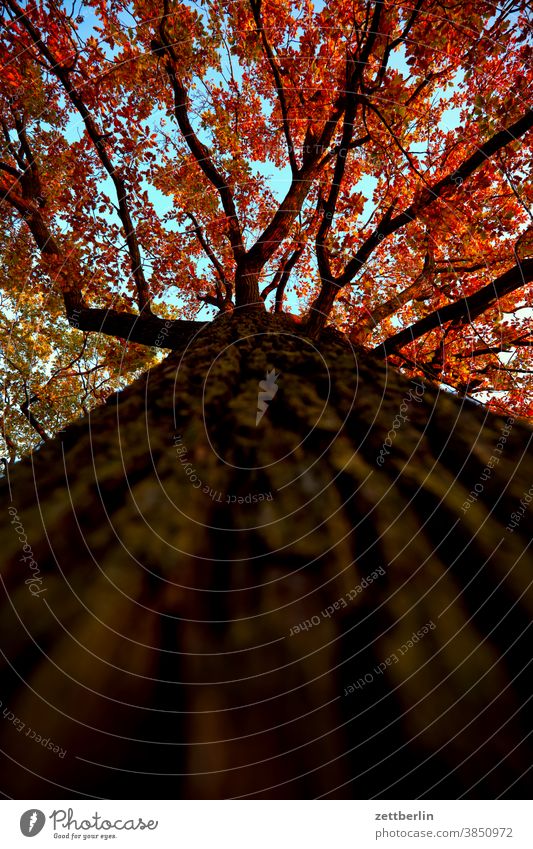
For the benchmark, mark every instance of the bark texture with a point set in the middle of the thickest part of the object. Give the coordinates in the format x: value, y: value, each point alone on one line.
x: 161, y: 653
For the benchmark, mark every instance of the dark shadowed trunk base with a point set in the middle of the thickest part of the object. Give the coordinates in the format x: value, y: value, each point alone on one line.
x: 161, y: 645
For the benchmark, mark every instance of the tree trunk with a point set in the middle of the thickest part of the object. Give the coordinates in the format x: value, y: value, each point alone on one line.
x: 217, y: 608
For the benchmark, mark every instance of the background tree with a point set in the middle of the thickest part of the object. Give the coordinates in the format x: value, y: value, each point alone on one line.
x: 361, y: 171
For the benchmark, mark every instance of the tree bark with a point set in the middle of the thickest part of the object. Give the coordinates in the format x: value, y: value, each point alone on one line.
x: 203, y: 620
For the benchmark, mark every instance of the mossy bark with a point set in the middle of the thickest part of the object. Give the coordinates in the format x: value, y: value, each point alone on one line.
x: 162, y: 653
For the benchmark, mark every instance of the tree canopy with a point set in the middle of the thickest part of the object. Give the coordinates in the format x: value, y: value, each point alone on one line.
x: 364, y: 164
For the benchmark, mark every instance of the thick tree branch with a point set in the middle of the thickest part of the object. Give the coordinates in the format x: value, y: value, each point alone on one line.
x: 98, y: 138
x: 145, y: 330
x: 415, y: 291
x: 393, y: 304
x: 31, y: 172
x: 250, y: 265
x: 5, y: 166
x: 443, y: 268
x: 519, y: 342
x: 371, y: 35
x: 282, y: 275
x: 392, y: 45
x: 427, y: 80
x: 359, y: 142
x: 279, y: 227
x: 323, y: 304
x: 11, y: 147
x: 453, y: 180
x: 273, y: 285
x: 223, y: 282
x: 25, y: 409
x: 353, y: 72
x: 211, y: 301
x: 272, y: 61
x: 492, y: 368
x: 27, y: 174
x: 395, y: 138
x: 465, y: 309
x: 285, y: 276
x: 197, y: 148
x: 153, y: 331
x: 50, y: 250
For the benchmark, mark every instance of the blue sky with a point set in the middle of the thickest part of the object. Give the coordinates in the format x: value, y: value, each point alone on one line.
x: 278, y: 179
